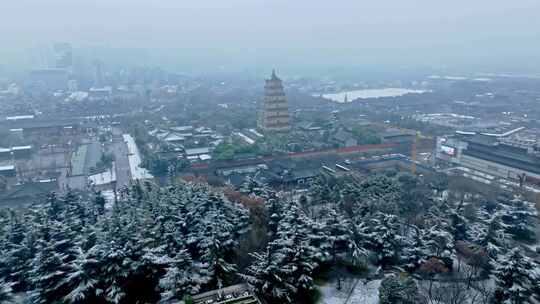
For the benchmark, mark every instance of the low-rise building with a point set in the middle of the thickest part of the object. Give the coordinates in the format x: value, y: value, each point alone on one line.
x: 7, y: 170
x: 198, y: 151
x: 344, y: 139
x: 397, y: 136
x: 15, y: 152
x: 28, y: 193
x: 236, y: 294
x: 43, y: 127
x: 104, y: 93
x: 199, y: 154
x: 491, y: 155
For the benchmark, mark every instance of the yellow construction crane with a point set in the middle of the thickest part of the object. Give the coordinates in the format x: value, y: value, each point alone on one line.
x: 413, y: 152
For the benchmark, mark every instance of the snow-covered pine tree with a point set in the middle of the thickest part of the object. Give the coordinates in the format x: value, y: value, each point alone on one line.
x: 381, y: 235
x: 413, y: 195
x: 58, y: 230
x: 253, y: 187
x: 301, y: 266
x: 267, y: 276
x: 413, y: 254
x: 284, y: 272
x: 99, y: 202
x: 518, y: 216
x: 397, y: 290
x: 515, y: 278
x: 274, y: 211
x: 318, y: 239
x: 489, y: 232
x: 350, y: 202
x: 47, y: 273
x: 50, y: 250
x: 82, y: 278
x: 320, y: 190
x: 181, y: 278
x: 114, y: 271
x: 293, y: 221
x: 458, y: 223
x: 340, y: 236
x: 18, y: 247
x: 218, y: 270
x: 6, y: 292
x: 438, y: 243
x: 120, y: 248
x: 380, y: 193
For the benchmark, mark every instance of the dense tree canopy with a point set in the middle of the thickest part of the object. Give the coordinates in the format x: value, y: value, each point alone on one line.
x: 167, y: 243
x: 173, y: 241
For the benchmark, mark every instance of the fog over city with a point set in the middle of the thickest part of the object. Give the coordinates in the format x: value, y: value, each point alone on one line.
x: 270, y: 151
x: 483, y: 34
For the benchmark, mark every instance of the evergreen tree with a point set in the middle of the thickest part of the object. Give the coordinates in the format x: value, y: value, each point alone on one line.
x: 413, y: 195
x: 283, y: 274
x: 181, y: 278
x: 99, y: 202
x: 253, y: 187
x: 518, y: 216
x: 515, y: 278
x: 381, y: 234
x: 439, y: 243
x: 217, y: 269
x: 414, y: 251
x: 18, y: 248
x: 339, y: 235
x: 48, y: 272
x: 458, y: 223
x: 396, y: 290
x: 82, y: 278
x: 380, y: 193
x: 269, y: 278
x: 301, y: 267
x: 6, y: 292
x: 489, y: 232
x: 274, y: 214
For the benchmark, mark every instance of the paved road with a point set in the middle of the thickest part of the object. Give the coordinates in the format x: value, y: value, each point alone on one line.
x: 119, y: 149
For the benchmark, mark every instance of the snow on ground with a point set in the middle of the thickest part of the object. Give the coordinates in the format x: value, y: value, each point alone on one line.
x: 454, y: 292
x: 135, y: 161
x: 354, y: 290
x: 109, y: 198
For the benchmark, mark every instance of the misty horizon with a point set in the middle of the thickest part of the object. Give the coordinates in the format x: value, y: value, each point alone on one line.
x: 269, y: 151
x: 490, y: 36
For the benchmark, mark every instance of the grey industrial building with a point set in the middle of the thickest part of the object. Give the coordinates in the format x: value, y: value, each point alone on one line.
x: 490, y: 154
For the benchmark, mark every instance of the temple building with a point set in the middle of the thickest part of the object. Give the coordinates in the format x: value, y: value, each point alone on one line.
x: 274, y: 112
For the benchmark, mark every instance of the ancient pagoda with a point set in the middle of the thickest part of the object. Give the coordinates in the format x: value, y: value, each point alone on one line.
x: 274, y: 112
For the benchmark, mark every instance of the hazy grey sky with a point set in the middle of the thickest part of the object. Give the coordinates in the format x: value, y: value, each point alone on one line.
x: 438, y: 32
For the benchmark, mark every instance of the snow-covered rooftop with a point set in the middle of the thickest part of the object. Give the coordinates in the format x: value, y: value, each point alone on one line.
x: 198, y: 151
x: 103, y: 178
x: 7, y: 167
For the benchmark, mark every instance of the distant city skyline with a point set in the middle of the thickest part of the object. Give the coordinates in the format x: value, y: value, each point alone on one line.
x: 208, y: 34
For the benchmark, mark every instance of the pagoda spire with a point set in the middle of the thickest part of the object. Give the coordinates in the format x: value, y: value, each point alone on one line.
x: 274, y: 76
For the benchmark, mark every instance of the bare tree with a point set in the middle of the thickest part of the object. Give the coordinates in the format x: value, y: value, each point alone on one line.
x: 454, y: 293
x: 481, y: 293
x: 429, y: 270
x: 477, y: 260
